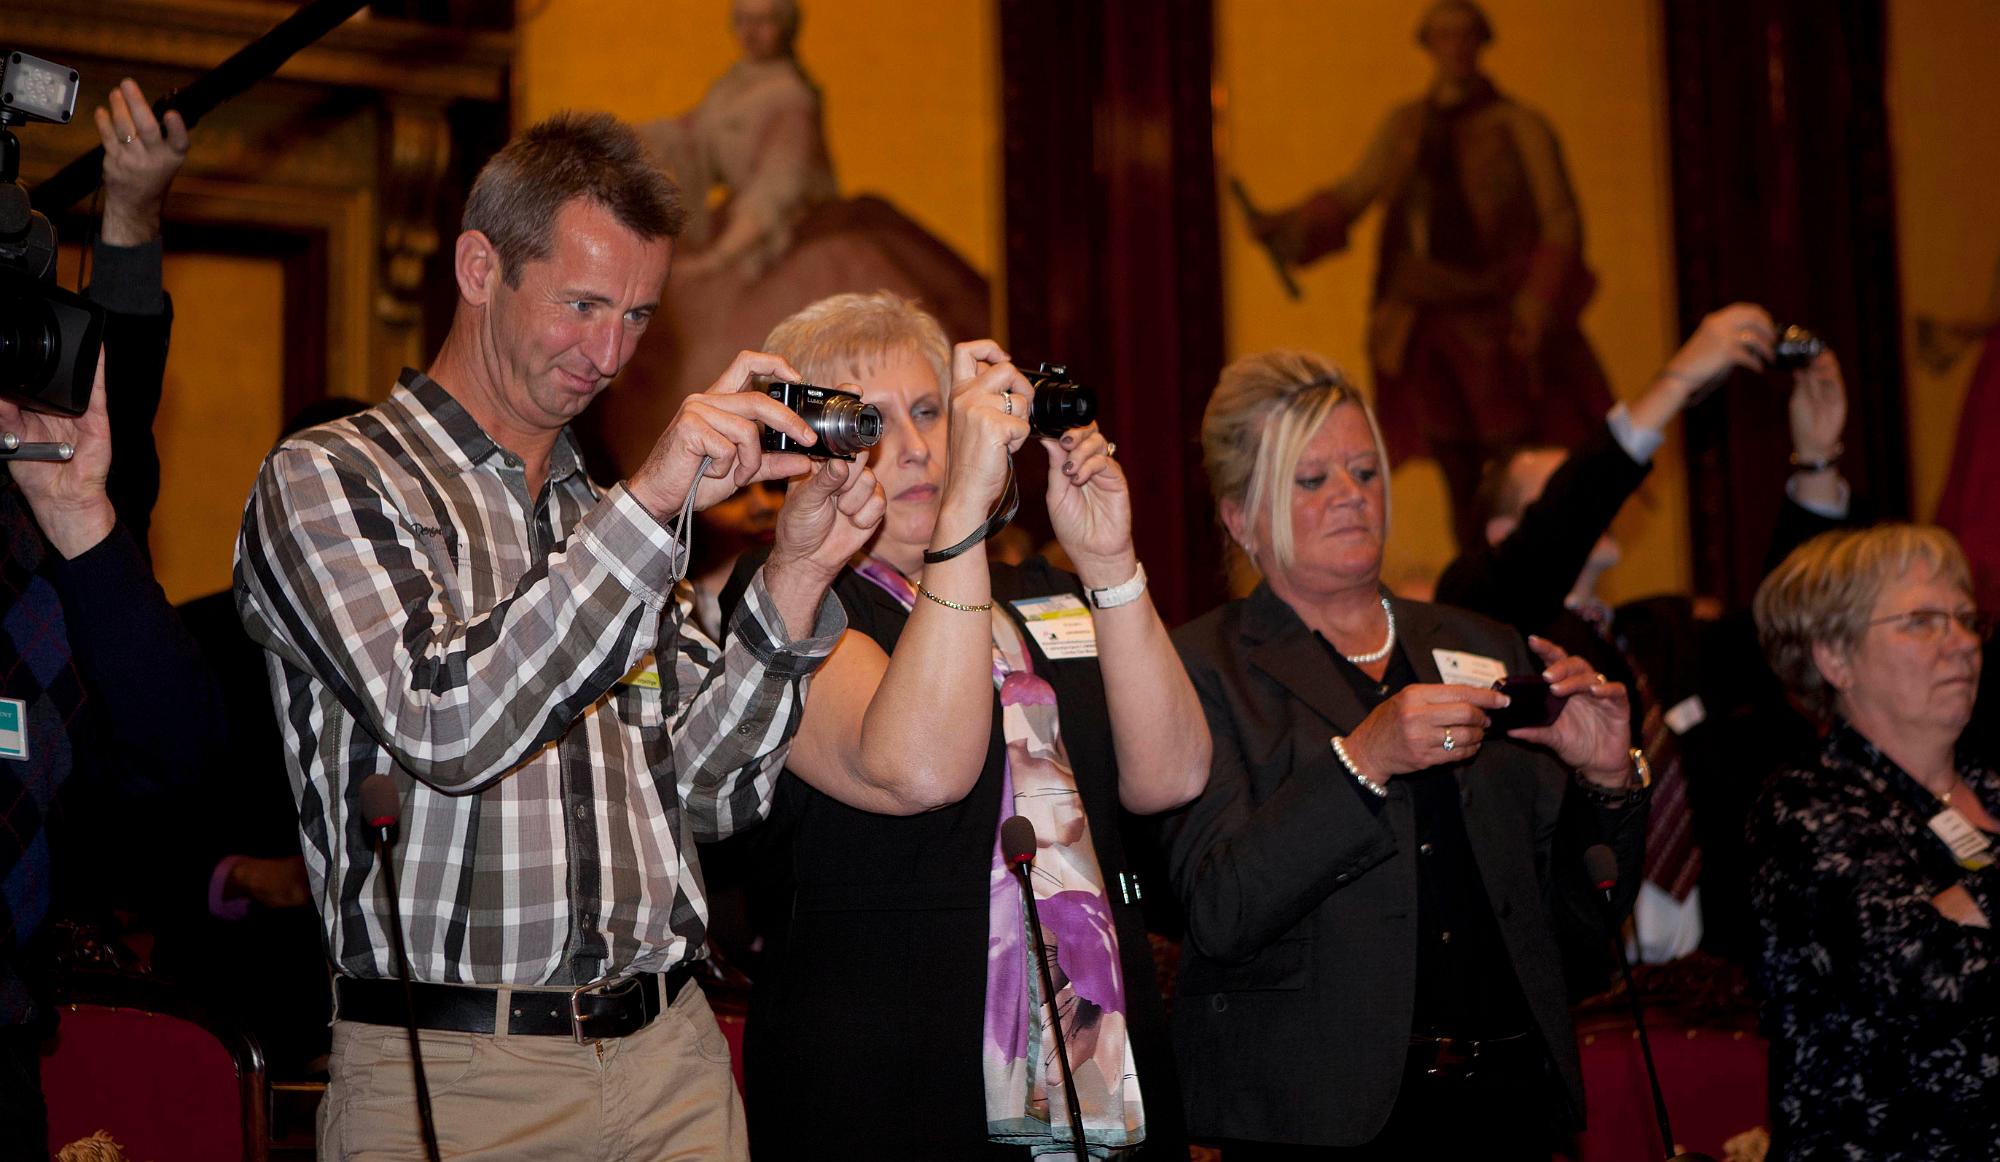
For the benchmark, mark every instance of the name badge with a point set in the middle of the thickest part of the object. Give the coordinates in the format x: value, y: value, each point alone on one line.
x: 1969, y: 846
x: 13, y: 728
x: 1687, y: 714
x: 1458, y: 668
x: 645, y: 675
x: 1060, y: 624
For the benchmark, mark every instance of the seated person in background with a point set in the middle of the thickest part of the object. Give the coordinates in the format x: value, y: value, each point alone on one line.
x: 897, y: 1016
x: 1375, y: 875
x: 1876, y: 887
x: 102, y: 691
x: 449, y: 602
x: 1548, y: 515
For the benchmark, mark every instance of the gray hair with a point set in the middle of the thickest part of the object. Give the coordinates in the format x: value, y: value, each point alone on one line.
x: 844, y: 338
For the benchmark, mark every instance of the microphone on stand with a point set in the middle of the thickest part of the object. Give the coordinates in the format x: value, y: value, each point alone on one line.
x: 1017, y: 843
x: 381, y: 807
x: 1600, y: 863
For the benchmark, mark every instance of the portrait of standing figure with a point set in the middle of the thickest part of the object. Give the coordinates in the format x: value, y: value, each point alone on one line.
x: 1472, y: 328
x: 768, y: 231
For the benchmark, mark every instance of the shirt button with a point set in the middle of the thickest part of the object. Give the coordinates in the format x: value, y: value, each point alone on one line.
x: 1342, y: 878
x: 744, y: 729
x: 580, y: 812
x: 1444, y: 937
x: 1425, y: 848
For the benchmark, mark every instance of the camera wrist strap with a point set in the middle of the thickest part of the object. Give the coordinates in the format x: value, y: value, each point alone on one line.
x: 1009, y: 504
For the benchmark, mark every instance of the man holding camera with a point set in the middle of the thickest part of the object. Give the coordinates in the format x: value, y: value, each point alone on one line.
x: 447, y: 599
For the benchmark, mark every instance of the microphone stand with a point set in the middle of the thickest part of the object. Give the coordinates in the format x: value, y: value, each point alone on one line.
x: 424, y: 1119
x: 1055, y: 1017
x: 1646, y: 1051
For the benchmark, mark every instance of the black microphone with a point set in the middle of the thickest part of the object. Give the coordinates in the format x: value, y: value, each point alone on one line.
x: 1600, y: 863
x: 1017, y: 844
x: 382, y: 807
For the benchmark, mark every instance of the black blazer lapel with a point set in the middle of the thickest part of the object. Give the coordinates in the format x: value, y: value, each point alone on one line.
x: 1288, y: 653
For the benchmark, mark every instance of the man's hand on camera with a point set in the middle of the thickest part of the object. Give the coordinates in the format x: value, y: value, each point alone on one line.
x: 724, y: 423
x: 142, y: 154
x: 830, y: 514
x: 1738, y: 335
x: 67, y: 496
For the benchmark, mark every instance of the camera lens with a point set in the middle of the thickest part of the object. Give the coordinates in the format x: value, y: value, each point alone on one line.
x: 29, y: 341
x: 1060, y: 407
x: 845, y: 425
x: 1796, y: 347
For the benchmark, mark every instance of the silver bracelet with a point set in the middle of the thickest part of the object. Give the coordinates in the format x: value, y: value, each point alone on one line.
x: 1346, y: 760
x: 1114, y: 596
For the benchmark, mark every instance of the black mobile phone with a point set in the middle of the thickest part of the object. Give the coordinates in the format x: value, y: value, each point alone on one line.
x: 1529, y: 703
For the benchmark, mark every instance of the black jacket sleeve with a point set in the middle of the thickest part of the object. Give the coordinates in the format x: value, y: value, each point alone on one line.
x: 138, y: 323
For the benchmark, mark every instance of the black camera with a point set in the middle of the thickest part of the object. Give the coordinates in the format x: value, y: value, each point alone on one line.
x: 1061, y: 403
x: 1796, y: 348
x: 842, y: 422
x: 48, y: 335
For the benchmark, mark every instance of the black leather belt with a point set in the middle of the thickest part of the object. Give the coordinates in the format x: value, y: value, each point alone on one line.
x: 593, y: 1012
x: 1459, y: 1058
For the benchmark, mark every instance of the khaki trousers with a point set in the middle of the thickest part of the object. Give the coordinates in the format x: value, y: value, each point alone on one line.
x: 666, y: 1092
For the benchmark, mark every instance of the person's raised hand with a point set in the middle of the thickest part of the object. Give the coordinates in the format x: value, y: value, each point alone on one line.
x: 142, y: 153
x: 1818, y: 408
x: 829, y: 515
x: 725, y: 424
x: 990, y: 402
x: 1420, y: 726
x: 68, y: 497
x: 1090, y: 507
x: 1594, y: 731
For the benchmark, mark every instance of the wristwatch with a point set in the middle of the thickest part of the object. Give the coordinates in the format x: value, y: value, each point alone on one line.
x: 1111, y: 597
x: 1637, y: 784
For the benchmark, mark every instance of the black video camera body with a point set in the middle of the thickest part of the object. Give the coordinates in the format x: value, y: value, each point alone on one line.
x: 1061, y: 403
x: 49, y: 336
x: 842, y: 422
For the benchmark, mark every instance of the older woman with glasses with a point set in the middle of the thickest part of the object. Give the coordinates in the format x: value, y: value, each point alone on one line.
x: 1877, y: 888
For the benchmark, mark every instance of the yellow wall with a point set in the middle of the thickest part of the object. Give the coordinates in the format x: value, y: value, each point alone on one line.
x: 1302, y: 88
x: 912, y: 107
x: 1944, y: 124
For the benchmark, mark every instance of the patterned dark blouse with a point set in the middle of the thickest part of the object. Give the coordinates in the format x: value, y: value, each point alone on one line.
x: 1884, y: 1016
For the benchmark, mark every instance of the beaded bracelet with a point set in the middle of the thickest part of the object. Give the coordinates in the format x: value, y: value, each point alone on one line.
x: 1346, y: 760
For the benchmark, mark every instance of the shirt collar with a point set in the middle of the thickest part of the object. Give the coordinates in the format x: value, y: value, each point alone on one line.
x: 471, y: 441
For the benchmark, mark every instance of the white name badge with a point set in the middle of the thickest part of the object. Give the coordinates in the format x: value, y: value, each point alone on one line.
x: 1457, y: 668
x: 1969, y: 846
x: 1061, y: 625
x: 13, y: 728
x: 1687, y: 714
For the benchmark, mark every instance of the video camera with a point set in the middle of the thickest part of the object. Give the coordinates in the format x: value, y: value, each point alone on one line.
x: 49, y: 336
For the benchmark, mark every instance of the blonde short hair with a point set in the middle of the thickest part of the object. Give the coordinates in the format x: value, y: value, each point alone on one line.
x: 1264, y: 411
x: 1825, y: 590
x: 845, y: 338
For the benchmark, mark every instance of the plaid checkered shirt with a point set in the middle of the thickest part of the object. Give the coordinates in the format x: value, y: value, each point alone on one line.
x: 425, y: 618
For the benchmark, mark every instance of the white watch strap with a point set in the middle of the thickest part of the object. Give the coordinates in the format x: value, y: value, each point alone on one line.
x: 1118, y: 595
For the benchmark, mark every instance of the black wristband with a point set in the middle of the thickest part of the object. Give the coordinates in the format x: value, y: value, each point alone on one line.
x: 1010, y: 503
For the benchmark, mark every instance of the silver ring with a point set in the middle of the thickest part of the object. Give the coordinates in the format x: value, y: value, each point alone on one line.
x: 1110, y: 448
x: 129, y: 138
x: 1448, y: 743
x: 1602, y: 680
x: 1007, y: 401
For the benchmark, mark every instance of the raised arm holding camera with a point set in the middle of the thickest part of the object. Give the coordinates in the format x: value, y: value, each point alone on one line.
x: 894, y: 1016
x: 447, y: 599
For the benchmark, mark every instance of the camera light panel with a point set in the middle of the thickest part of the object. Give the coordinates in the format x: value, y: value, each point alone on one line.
x: 36, y: 88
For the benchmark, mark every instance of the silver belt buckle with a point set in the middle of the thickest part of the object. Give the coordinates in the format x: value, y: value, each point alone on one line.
x: 601, y: 988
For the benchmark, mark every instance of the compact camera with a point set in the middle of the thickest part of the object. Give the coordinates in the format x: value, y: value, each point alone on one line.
x: 1796, y: 348
x: 1061, y: 403
x: 48, y: 335
x: 842, y: 422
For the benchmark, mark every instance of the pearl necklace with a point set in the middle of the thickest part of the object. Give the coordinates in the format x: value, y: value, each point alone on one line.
x: 1388, y: 643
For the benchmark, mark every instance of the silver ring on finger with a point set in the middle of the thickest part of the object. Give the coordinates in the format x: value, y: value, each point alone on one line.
x: 1449, y: 742
x: 1007, y: 401
x: 129, y: 138
x: 1602, y: 680
x: 1110, y: 448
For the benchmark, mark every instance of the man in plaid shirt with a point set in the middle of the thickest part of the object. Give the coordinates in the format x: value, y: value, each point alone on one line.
x: 447, y: 600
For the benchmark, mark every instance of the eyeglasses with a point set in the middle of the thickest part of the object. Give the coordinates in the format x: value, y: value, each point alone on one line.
x: 1931, y: 624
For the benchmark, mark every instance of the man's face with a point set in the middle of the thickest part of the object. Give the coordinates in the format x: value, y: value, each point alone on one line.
x: 1452, y: 39
x: 574, y: 320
